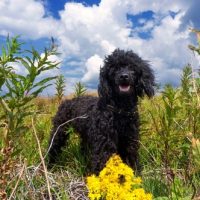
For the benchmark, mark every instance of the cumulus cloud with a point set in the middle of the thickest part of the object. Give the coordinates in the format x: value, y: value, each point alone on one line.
x: 26, y: 18
x: 156, y: 6
x: 91, y: 32
x: 172, y: 47
x: 167, y: 49
x: 93, y: 65
x: 103, y: 28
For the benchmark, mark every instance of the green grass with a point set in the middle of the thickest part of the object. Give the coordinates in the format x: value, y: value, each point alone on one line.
x: 177, y: 178
x: 169, y: 137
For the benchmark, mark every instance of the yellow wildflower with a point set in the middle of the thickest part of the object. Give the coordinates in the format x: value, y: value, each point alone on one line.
x: 139, y: 194
x: 116, y: 181
x: 94, y: 187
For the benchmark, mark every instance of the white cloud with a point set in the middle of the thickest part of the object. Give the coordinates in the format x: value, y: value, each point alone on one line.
x: 166, y: 49
x: 157, y: 6
x: 26, y: 18
x: 90, y: 33
x: 93, y: 65
x: 100, y: 29
x: 170, y: 46
x: 90, y: 30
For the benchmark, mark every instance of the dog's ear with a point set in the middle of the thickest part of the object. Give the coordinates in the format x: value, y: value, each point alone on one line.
x: 104, y: 89
x: 146, y: 80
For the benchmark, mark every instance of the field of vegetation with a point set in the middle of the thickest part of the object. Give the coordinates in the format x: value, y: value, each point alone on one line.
x: 170, y: 133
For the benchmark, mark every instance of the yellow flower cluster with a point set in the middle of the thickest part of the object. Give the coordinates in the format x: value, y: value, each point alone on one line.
x: 116, y: 181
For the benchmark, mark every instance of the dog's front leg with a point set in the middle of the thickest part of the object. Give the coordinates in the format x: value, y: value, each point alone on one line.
x: 102, y: 149
x: 132, y: 157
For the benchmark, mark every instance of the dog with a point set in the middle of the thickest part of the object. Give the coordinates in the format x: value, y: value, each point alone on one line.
x: 112, y: 122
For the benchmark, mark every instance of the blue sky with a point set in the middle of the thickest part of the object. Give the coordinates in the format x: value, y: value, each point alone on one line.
x: 54, y: 6
x: 87, y: 31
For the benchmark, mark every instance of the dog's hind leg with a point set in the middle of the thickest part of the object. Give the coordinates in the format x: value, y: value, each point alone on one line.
x: 57, y: 141
x: 59, y: 135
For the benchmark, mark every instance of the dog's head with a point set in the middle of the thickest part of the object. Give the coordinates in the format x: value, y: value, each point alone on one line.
x: 125, y: 74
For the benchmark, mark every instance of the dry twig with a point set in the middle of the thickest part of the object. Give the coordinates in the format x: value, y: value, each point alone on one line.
x: 42, y: 160
x: 16, y: 185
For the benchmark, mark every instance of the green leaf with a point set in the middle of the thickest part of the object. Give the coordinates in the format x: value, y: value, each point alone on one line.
x: 2, y: 81
x: 22, y: 78
x: 25, y: 64
x: 29, y: 61
x: 42, y: 82
x: 38, y: 91
x: 45, y: 68
x: 10, y: 88
x: 4, y: 55
x: 17, y: 85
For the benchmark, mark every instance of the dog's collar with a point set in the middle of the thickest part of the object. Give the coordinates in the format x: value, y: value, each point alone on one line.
x: 120, y: 111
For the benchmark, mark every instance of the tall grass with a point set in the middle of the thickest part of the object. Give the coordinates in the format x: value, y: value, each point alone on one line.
x: 170, y: 133
x: 170, y: 139
x: 17, y: 93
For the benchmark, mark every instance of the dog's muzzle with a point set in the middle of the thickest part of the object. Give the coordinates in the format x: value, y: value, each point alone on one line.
x: 124, y: 80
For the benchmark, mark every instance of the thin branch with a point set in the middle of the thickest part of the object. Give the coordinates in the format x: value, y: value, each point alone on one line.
x: 42, y: 160
x: 16, y: 185
x: 80, y: 117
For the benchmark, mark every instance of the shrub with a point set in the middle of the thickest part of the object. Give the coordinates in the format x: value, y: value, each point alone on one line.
x: 18, y: 90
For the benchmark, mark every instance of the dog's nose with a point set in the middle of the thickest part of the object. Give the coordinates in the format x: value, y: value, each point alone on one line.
x: 124, y: 76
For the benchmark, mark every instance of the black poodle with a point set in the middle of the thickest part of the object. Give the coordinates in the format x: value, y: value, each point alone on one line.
x: 111, y: 122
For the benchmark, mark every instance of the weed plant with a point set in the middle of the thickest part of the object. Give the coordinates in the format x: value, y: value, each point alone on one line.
x: 17, y: 93
x: 80, y: 89
x: 170, y: 135
x: 60, y: 87
x: 17, y: 90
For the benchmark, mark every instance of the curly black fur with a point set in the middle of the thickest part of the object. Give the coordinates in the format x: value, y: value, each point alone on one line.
x: 112, y: 123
